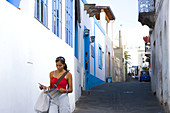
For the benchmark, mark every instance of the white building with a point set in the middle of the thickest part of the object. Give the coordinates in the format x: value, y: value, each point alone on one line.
x: 156, y: 16
x: 30, y: 40
x: 33, y: 35
x: 97, y: 51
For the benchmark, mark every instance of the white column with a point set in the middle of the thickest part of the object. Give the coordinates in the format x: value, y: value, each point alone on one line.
x: 110, y: 29
x: 102, y: 19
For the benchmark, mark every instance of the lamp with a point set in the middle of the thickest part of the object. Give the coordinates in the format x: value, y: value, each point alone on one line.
x: 86, y: 32
x: 92, y: 39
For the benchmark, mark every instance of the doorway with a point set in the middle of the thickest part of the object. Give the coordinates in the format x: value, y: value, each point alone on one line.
x: 87, y: 58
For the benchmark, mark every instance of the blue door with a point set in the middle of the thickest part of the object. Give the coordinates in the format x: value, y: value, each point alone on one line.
x: 87, y: 59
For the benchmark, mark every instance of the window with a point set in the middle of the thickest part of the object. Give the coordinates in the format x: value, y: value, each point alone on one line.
x: 69, y: 22
x: 100, y: 57
x: 41, y: 11
x: 92, y: 51
x: 57, y: 17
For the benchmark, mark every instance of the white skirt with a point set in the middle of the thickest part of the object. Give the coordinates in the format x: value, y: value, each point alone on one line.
x: 60, y: 104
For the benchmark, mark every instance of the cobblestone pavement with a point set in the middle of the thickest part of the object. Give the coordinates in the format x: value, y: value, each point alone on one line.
x: 119, y: 97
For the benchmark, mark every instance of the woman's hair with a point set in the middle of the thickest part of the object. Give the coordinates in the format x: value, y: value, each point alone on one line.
x: 62, y: 60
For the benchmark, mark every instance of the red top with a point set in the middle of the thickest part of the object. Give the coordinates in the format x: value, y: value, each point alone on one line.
x: 62, y: 83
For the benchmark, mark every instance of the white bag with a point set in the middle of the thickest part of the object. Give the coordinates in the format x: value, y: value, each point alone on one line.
x: 42, y: 103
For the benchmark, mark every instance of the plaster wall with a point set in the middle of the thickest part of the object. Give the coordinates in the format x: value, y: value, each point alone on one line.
x: 28, y: 51
x: 100, y: 39
x: 160, y: 54
x: 87, y: 22
x: 95, y: 72
x: 109, y: 50
x: 119, y: 64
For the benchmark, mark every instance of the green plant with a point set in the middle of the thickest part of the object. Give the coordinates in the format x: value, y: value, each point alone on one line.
x: 126, y: 57
x: 145, y: 68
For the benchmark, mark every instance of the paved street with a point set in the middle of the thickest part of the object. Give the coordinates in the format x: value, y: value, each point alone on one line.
x: 124, y: 97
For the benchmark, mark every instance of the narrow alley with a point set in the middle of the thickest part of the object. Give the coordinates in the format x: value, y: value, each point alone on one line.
x: 119, y: 97
x: 101, y: 42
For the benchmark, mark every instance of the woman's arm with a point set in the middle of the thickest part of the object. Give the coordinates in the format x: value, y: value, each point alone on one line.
x: 69, y: 83
x: 51, y: 75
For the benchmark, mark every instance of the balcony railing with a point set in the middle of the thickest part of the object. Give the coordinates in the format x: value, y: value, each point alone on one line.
x: 147, y: 12
x: 146, y: 6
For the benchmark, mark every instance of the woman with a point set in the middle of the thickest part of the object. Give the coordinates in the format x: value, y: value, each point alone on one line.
x: 61, y: 103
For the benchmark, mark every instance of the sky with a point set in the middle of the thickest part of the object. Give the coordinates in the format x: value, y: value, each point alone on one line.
x: 126, y: 13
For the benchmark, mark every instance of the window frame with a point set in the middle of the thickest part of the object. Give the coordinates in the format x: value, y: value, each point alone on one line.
x: 100, y: 59
x: 57, y: 16
x: 92, y: 51
x: 41, y: 16
x: 69, y: 22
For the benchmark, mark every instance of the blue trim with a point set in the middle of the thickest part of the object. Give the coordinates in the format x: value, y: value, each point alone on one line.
x: 105, y: 57
x: 99, y: 26
x: 39, y: 16
x: 57, y: 30
x: 76, y: 40
x: 84, y: 1
x: 15, y: 3
x: 43, y: 12
x: 45, y: 20
x: 87, y: 49
x: 100, y: 56
x: 69, y: 22
x: 103, y: 31
x: 60, y: 18
x: 53, y: 16
x: 47, y: 11
x: 35, y: 11
x: 94, y: 81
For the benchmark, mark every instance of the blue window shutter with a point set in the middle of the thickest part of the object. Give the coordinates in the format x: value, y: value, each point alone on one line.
x: 57, y: 17
x: 100, y: 56
x: 35, y: 13
x: 14, y: 2
x: 41, y: 11
x: 69, y: 22
x: 101, y: 59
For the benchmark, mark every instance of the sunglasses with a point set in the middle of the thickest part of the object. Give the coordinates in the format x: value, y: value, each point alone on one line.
x: 60, y: 58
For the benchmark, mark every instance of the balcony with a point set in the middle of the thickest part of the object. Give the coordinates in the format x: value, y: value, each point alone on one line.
x: 147, y: 46
x: 147, y: 12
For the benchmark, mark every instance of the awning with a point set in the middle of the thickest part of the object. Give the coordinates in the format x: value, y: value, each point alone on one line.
x: 92, y: 10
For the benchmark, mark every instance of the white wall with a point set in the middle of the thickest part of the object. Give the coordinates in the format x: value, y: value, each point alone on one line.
x: 109, y: 49
x: 99, y: 39
x: 28, y: 52
x: 160, y: 55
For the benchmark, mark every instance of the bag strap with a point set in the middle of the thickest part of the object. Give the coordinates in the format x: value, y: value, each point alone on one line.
x: 55, y: 85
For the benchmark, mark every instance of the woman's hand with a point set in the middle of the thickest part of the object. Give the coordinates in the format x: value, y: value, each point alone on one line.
x: 62, y: 90
x: 40, y: 86
x: 48, y: 88
x: 44, y: 87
